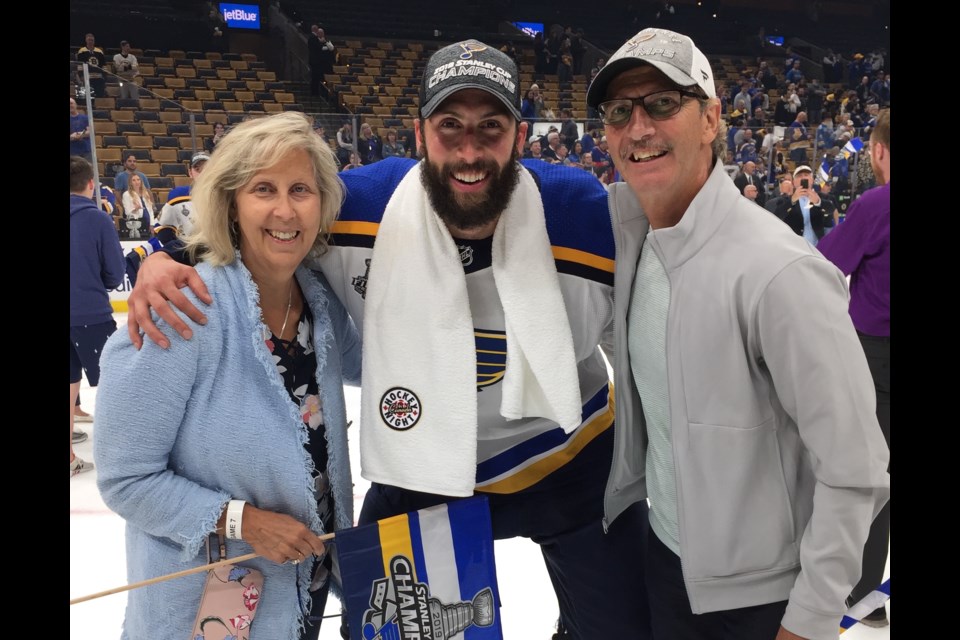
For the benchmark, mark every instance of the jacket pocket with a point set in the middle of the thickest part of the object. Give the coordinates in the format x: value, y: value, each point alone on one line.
x: 737, y: 515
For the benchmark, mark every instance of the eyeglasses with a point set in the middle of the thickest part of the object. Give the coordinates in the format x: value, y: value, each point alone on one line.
x: 659, y: 105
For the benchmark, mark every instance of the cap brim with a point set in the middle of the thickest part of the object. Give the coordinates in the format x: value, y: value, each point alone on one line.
x: 597, y: 92
x: 426, y: 110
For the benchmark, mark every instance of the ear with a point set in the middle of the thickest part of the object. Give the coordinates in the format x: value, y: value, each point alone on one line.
x: 418, y: 134
x: 521, y: 136
x: 710, y: 121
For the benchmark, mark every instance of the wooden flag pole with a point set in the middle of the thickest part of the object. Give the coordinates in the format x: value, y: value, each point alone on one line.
x: 178, y: 574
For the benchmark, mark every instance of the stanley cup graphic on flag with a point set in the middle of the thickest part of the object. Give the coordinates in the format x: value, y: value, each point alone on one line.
x: 424, y: 575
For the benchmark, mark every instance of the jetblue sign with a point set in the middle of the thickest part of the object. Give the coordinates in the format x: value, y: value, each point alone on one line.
x: 241, y: 16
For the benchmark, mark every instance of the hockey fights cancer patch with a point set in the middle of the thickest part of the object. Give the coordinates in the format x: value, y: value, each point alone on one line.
x: 400, y: 408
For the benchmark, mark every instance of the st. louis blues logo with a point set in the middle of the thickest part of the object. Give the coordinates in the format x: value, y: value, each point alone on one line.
x: 401, y: 608
x: 471, y: 47
x: 400, y: 408
x: 360, y: 282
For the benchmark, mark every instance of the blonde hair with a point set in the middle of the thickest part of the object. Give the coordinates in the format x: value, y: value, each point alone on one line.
x: 248, y: 148
x: 144, y: 193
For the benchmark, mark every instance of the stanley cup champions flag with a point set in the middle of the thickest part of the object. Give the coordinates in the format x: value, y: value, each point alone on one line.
x: 425, y: 575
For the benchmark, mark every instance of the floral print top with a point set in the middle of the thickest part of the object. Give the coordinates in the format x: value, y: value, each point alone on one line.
x: 296, y: 362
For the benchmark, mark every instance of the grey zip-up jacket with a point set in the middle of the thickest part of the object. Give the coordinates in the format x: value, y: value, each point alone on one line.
x: 780, y: 462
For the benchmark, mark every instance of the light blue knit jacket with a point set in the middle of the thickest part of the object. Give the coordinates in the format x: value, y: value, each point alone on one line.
x: 181, y: 431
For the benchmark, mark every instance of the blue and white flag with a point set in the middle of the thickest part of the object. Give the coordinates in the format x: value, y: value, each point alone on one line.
x: 424, y: 575
x: 824, y: 171
x: 852, y: 147
x: 870, y: 603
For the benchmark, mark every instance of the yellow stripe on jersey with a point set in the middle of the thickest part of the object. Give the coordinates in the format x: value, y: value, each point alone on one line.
x: 534, y: 473
x: 395, y: 540
x: 356, y: 228
x: 582, y: 257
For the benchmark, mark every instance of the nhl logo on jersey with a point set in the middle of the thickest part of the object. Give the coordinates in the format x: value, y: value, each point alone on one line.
x: 400, y: 408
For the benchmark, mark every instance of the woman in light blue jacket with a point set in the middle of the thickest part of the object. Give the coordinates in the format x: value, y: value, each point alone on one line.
x: 240, y: 430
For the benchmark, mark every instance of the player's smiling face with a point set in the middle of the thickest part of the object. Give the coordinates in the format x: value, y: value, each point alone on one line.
x: 470, y: 145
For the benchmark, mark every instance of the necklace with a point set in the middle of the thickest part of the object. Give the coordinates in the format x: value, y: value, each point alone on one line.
x: 287, y: 316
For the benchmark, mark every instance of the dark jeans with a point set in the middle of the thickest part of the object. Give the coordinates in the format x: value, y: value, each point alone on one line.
x: 673, y: 619
x: 877, y: 350
x: 598, y: 577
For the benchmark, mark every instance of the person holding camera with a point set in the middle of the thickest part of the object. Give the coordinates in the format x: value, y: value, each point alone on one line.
x: 806, y: 215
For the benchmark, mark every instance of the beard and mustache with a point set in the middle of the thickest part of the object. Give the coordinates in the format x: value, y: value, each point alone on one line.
x: 470, y: 210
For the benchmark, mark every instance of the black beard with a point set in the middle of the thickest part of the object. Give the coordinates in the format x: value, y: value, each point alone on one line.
x: 479, y: 209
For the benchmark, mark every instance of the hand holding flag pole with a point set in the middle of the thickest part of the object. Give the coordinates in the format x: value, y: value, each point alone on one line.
x: 178, y: 574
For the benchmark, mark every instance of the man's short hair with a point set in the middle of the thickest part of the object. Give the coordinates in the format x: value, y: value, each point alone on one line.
x: 123, y: 42
x: 81, y: 173
x: 881, y: 132
x: 128, y: 155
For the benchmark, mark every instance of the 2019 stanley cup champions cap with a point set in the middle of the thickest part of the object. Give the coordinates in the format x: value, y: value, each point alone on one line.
x: 672, y: 53
x: 469, y: 65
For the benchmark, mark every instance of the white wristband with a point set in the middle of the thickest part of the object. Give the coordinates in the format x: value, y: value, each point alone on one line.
x: 234, y: 519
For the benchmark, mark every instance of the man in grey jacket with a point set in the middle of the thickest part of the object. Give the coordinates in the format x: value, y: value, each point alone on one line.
x: 745, y: 405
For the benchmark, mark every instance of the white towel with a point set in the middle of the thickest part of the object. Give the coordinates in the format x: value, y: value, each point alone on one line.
x: 419, y: 353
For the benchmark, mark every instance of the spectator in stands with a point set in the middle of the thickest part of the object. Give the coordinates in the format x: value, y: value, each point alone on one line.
x: 766, y: 77
x: 805, y: 215
x: 575, y: 156
x: 756, y: 121
x: 880, y: 91
x: 532, y: 106
x: 345, y: 143
x: 512, y: 52
x: 354, y: 161
x: 218, y: 132
x: 95, y: 58
x: 565, y: 63
x: 863, y: 90
x: 540, y: 54
x: 839, y: 168
x: 749, y: 177
x: 832, y: 67
x: 781, y: 111
x: 534, y: 151
x: 799, y: 138
x: 794, y: 103
x: 747, y: 150
x: 750, y: 192
x: 815, y: 95
x: 79, y: 133
x: 96, y: 265
x: 825, y: 133
x: 588, y: 139
x: 733, y: 129
x: 569, y: 133
x: 855, y: 71
x: 743, y: 101
x: 125, y: 65
x: 369, y: 145
x: 393, y: 148
x: 129, y: 169
x: 759, y: 100
x: 321, y: 55
x: 780, y: 202
x: 137, y: 207
x: 550, y: 151
x: 794, y: 74
x: 602, y: 162
x: 830, y: 207
x: 577, y: 49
